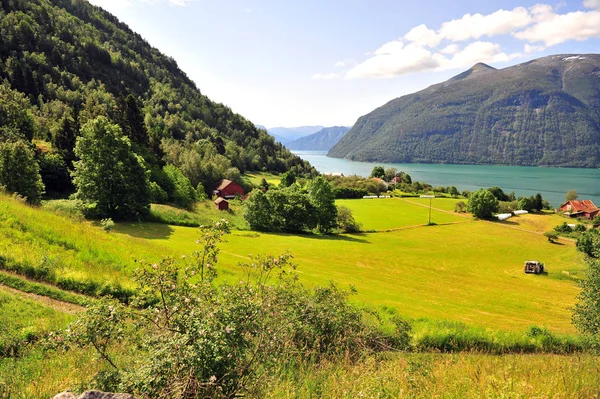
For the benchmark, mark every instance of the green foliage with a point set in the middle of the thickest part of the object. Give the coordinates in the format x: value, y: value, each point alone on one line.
x: 460, y: 207
x: 219, y: 341
x: 355, y: 186
x: 109, y: 176
x: 346, y: 221
x: 586, y: 313
x: 157, y: 194
x: 287, y: 179
x: 322, y: 198
x: 571, y: 195
x: 181, y: 190
x: 55, y: 174
x: 16, y: 121
x: 500, y: 195
x: 539, y: 113
x: 589, y: 243
x: 378, y: 172
x: 563, y: 228
x: 482, y: 204
x: 258, y: 211
x: 19, y: 172
x: 107, y: 224
x: 552, y: 236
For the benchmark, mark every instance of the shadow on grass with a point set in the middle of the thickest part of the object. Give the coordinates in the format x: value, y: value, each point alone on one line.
x: 149, y: 231
x: 355, y: 237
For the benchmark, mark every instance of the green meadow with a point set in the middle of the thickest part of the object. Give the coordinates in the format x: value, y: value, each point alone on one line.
x: 465, y: 271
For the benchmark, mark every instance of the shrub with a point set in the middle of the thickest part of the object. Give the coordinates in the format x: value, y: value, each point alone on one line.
x: 552, y: 236
x: 157, y: 194
x: 107, y: 224
x: 19, y: 172
x: 460, y: 207
x: 200, y: 339
x: 346, y: 221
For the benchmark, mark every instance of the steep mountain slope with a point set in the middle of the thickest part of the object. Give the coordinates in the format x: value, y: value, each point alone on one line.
x: 322, y: 140
x: 286, y: 135
x: 542, y: 112
x: 74, y: 61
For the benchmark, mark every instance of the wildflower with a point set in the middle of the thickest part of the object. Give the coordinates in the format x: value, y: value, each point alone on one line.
x: 212, y: 379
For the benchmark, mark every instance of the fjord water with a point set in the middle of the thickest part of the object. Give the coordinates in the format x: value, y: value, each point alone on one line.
x: 552, y: 183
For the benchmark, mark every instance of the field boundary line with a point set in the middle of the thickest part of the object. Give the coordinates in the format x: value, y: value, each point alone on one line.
x: 437, y: 209
x: 55, y: 304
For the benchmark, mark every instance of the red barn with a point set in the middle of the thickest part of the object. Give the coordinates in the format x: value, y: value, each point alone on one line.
x: 222, y: 204
x: 580, y: 208
x: 228, y: 189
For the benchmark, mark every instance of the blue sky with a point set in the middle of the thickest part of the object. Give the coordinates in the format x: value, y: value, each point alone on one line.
x: 283, y: 63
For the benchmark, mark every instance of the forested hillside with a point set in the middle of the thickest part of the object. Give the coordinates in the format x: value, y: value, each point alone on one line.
x: 66, y: 62
x: 542, y: 112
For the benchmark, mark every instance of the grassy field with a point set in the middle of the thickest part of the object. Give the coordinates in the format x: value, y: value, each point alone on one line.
x: 395, y: 213
x: 24, y: 320
x: 470, y: 272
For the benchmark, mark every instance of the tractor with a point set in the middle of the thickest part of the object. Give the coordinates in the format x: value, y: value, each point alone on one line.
x: 533, y: 266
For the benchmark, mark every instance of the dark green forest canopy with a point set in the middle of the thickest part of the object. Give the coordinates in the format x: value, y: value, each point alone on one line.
x: 74, y: 62
x: 542, y: 112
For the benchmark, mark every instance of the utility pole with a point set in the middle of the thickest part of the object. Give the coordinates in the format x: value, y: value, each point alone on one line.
x: 430, y: 198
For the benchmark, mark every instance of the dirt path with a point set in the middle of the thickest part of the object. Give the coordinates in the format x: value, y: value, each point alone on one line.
x: 53, y: 303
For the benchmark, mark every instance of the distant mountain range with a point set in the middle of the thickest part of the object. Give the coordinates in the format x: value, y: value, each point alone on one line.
x: 288, y: 134
x: 542, y: 112
x: 322, y: 140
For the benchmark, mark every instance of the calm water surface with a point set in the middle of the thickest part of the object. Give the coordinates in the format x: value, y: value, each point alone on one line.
x: 552, y: 183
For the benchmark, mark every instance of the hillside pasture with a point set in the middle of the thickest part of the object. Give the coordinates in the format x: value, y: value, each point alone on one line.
x: 380, y: 214
x: 469, y: 272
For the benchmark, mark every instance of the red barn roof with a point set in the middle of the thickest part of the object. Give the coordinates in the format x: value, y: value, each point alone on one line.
x: 585, y: 208
x: 228, y: 189
x: 577, y: 206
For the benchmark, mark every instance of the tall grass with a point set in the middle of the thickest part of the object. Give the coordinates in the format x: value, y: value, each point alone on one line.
x: 68, y: 252
x: 24, y: 321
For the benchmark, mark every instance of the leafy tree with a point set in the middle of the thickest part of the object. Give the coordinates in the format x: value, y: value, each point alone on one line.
x: 64, y: 139
x: 16, y: 121
x: 287, y: 179
x: 571, y: 195
x: 131, y: 120
x: 110, y: 178
x: 460, y: 207
x: 499, y: 193
x: 322, y: 198
x: 453, y: 191
x: 552, y: 236
x: 586, y: 313
x: 527, y: 204
x: 482, y: 204
x: 258, y: 211
x: 378, y: 172
x: 19, y: 172
x: 181, y: 190
x: 263, y: 184
x: 390, y: 173
x: 346, y: 221
x: 539, y: 202
x: 589, y: 243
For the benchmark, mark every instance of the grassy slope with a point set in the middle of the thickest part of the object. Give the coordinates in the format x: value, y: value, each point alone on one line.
x: 69, y: 247
x: 469, y: 272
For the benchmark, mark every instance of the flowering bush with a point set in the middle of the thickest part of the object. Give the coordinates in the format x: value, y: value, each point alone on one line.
x: 199, y: 339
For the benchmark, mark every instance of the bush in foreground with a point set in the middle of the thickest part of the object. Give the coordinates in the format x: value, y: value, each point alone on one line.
x: 202, y: 340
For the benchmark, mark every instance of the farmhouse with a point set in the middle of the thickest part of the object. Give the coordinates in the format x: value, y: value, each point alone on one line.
x: 228, y: 189
x: 222, y: 204
x: 580, y: 208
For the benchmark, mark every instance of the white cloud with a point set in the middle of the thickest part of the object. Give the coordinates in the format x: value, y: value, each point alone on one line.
x: 540, y: 27
x: 423, y: 36
x: 478, y: 25
x: 181, y: 3
x: 325, y: 76
x: 528, y: 48
x: 450, y: 49
x: 401, y: 61
x: 556, y: 29
x: 339, y: 64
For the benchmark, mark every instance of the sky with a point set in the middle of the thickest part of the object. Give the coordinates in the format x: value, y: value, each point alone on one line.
x: 328, y: 62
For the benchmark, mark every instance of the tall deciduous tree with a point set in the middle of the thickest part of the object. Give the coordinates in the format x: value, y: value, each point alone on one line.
x: 378, y: 172
x: 571, y: 195
x: 109, y: 176
x: 19, y: 172
x: 586, y: 313
x: 322, y: 198
x: 16, y: 121
x: 482, y: 204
